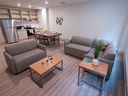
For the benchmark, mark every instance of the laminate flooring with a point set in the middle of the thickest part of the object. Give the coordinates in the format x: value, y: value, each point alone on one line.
x: 60, y: 83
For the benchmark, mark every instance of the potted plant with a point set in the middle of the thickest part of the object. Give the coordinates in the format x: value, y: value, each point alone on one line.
x: 97, y: 49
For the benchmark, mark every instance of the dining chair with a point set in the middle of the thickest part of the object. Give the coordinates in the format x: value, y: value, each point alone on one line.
x: 55, y: 40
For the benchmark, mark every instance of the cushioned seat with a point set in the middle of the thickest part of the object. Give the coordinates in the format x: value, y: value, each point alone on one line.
x: 79, y: 47
x: 77, y: 50
x: 23, y: 60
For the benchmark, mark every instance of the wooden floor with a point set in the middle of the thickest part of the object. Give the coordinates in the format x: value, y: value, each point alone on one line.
x: 60, y: 83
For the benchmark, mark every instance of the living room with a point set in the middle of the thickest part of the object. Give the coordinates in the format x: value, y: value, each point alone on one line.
x: 64, y: 48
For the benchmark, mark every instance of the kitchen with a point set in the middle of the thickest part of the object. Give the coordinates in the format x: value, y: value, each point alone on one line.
x: 20, y: 22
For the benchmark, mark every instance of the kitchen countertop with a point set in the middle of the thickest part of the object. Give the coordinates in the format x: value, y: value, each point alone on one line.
x: 21, y: 29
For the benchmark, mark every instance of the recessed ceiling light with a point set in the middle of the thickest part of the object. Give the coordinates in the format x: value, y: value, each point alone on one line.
x: 46, y: 2
x: 29, y: 6
x: 18, y: 4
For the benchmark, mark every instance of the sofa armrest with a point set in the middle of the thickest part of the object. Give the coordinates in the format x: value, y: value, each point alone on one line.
x: 10, y: 62
x: 110, y: 66
x: 43, y: 47
x: 67, y: 42
x: 105, y: 61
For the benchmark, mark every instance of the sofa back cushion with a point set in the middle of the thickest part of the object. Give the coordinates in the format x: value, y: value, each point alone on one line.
x: 105, y: 43
x: 82, y: 41
x: 109, y: 53
x: 21, y: 47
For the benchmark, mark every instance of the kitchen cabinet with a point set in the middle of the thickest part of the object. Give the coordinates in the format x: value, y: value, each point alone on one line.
x: 19, y: 14
x: 22, y: 34
x: 15, y: 15
x: 4, y: 13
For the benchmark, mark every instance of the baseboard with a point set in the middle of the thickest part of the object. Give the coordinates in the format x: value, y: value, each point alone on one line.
x: 120, y: 51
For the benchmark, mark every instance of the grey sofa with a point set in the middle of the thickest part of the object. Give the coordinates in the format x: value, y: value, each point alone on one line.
x: 83, y: 47
x: 20, y: 55
x: 78, y: 46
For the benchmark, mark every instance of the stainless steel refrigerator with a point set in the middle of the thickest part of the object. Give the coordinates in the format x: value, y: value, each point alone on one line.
x: 9, y: 31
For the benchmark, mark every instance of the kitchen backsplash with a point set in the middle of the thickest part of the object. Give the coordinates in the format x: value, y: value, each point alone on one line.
x: 28, y: 23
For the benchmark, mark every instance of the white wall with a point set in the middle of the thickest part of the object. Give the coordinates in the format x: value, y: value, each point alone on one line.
x: 43, y: 19
x: 95, y: 19
x: 123, y: 40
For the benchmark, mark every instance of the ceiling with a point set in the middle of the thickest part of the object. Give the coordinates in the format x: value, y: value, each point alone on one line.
x: 39, y: 3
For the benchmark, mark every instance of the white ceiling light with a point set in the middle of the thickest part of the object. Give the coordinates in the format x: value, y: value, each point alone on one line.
x: 46, y: 2
x: 18, y: 4
x: 29, y: 6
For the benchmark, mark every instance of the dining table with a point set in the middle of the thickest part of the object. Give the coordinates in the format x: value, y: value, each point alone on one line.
x: 51, y: 36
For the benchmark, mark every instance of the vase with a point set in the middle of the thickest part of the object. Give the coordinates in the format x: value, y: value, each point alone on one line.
x: 95, y: 62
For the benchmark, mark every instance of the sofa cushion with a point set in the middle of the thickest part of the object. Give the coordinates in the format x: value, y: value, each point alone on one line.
x: 21, y: 47
x: 79, y: 47
x: 109, y: 53
x: 82, y: 41
x: 105, y: 43
x: 23, y: 60
x: 77, y: 50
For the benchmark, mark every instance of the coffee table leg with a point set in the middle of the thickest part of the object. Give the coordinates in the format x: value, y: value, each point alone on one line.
x: 62, y: 65
x: 101, y: 93
x: 78, y: 76
x: 31, y: 73
x: 34, y: 79
x: 41, y: 83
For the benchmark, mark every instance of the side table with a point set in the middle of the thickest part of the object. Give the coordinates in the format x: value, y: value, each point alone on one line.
x: 100, y: 70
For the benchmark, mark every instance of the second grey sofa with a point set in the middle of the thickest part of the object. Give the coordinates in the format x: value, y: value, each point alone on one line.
x: 78, y: 46
x: 20, y: 55
x: 84, y: 48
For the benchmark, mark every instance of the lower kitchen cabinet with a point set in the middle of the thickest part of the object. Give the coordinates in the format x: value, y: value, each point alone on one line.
x: 22, y: 34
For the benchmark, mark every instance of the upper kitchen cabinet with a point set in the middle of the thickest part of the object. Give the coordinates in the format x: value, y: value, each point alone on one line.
x: 25, y: 15
x: 19, y: 15
x: 30, y: 15
x: 4, y: 13
x: 16, y: 15
x: 34, y: 16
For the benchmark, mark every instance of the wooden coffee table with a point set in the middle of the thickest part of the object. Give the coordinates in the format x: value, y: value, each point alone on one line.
x: 45, y: 65
x: 100, y: 70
